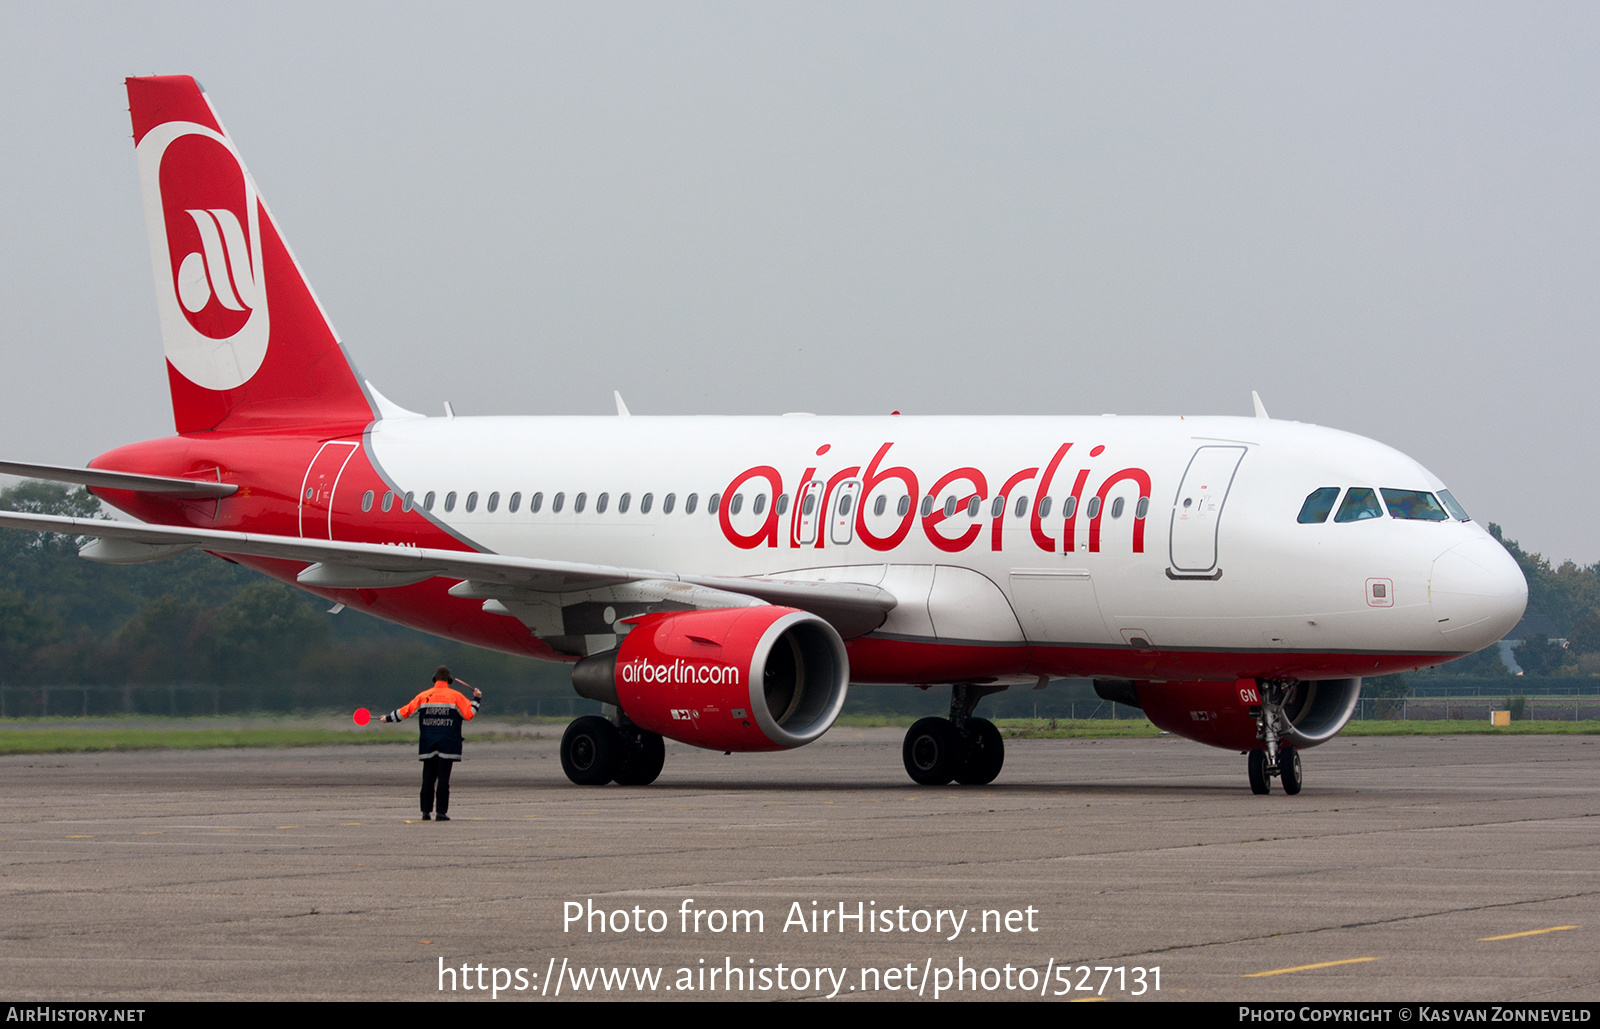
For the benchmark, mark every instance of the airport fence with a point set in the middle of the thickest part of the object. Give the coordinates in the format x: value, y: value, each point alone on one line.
x: 188, y: 700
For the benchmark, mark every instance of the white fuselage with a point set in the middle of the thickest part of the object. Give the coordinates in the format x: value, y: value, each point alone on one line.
x: 1232, y: 570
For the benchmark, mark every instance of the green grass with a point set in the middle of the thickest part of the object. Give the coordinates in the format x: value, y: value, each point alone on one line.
x: 1135, y: 728
x: 60, y: 741
x: 140, y: 732
x: 65, y: 735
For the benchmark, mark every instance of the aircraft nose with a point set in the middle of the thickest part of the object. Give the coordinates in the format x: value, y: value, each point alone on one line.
x: 1478, y: 594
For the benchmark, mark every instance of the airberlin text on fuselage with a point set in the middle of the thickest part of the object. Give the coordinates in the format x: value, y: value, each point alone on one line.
x: 965, y: 484
x: 679, y: 671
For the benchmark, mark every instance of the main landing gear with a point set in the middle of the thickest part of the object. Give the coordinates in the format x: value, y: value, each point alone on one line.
x: 1275, y: 759
x: 595, y: 751
x: 963, y: 748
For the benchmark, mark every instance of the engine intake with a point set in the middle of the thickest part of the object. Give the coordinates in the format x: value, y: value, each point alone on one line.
x: 1218, y: 713
x: 746, y: 679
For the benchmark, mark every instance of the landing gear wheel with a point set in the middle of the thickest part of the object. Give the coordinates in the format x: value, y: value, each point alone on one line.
x: 591, y: 750
x: 642, y: 762
x: 1289, y: 769
x: 1259, y: 783
x: 986, y: 753
x: 932, y: 751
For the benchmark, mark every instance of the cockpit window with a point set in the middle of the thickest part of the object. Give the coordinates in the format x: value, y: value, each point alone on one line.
x: 1360, y: 503
x: 1318, y: 505
x: 1414, y: 504
x: 1450, y: 504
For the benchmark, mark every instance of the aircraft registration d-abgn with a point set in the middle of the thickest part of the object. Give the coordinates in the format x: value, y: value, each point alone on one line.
x: 721, y: 581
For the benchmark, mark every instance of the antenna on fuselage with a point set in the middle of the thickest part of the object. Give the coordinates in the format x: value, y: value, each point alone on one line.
x: 1261, y: 409
x: 622, y: 409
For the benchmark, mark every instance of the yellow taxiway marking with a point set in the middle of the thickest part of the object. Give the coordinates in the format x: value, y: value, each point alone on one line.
x: 352, y: 823
x: 88, y: 836
x: 289, y: 827
x: 1530, y: 932
x: 155, y: 832
x: 1306, y: 968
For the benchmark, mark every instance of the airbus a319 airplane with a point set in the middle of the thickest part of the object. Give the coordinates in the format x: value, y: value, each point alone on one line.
x: 720, y: 581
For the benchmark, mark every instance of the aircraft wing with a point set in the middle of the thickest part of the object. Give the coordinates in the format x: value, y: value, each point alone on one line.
x: 523, y: 585
x: 177, y: 488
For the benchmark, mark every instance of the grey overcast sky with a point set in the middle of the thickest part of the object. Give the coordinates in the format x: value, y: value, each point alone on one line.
x: 1381, y: 216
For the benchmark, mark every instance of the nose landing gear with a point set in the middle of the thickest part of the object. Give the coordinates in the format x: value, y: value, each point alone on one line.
x: 963, y: 748
x: 1275, y: 759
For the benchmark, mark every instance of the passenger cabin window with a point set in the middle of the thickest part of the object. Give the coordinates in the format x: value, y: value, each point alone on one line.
x: 578, y: 502
x: 734, y: 505
x: 472, y: 501
x: 1414, y: 505
x: 366, y: 502
x: 1318, y: 505
x: 388, y: 500
x: 1022, y: 507
x: 1116, y: 508
x: 1359, y: 504
x: 427, y: 501
x: 667, y: 503
x: 514, y: 503
x: 927, y: 506
x: 783, y: 504
x: 690, y: 502
x: 622, y: 503
x: 600, y: 503
x: 998, y: 508
x: 1093, y: 510
x: 1450, y: 504
x: 1069, y: 508
x: 408, y: 502
x: 972, y: 507
x: 714, y: 503
x: 904, y: 507
x: 450, y: 501
x: 1044, y: 508
x: 880, y: 505
x: 535, y: 502
x: 556, y: 502
x: 1142, y: 508
x: 494, y: 502
x: 645, y: 502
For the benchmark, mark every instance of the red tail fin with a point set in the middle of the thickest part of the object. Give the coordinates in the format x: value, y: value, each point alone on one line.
x: 248, y: 346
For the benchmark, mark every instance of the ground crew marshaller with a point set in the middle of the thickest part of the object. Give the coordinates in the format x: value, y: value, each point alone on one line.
x: 439, y: 745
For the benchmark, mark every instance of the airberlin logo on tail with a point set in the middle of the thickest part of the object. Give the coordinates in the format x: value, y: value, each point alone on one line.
x: 204, y: 221
x: 219, y: 272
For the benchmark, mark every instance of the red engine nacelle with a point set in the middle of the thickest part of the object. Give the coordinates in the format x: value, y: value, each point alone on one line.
x: 1218, y: 713
x: 744, y: 678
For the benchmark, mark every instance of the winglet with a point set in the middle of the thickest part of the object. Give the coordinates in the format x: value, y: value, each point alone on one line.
x: 1261, y: 409
x: 622, y: 409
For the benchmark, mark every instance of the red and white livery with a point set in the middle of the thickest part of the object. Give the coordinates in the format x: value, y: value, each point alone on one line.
x: 720, y: 581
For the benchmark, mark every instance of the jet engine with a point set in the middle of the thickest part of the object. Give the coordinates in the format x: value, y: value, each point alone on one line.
x: 746, y: 678
x: 1223, y: 714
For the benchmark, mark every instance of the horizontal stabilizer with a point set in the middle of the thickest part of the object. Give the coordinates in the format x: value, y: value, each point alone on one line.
x: 176, y: 488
